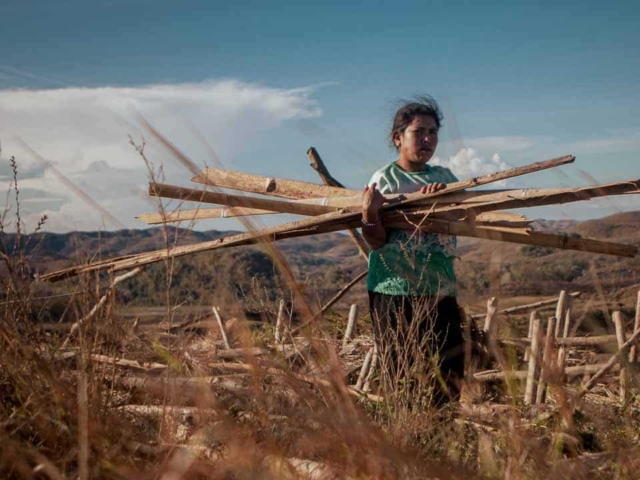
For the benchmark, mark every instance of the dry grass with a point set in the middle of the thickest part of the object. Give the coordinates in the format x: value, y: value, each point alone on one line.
x: 183, y: 408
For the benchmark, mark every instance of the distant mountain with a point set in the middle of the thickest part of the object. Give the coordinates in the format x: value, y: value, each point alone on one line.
x: 323, y: 263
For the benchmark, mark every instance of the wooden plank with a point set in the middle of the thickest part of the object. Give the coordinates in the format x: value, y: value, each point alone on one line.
x: 157, y: 218
x: 277, y: 187
x: 203, y: 196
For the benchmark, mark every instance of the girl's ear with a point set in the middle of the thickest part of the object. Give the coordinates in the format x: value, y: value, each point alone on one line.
x: 396, y: 139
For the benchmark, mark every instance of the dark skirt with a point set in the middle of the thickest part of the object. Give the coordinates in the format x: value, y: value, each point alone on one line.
x: 420, y: 341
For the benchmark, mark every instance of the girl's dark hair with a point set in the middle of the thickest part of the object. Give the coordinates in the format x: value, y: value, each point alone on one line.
x: 422, y: 105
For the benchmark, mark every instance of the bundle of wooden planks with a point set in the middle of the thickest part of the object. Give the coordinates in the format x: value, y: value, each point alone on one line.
x: 455, y: 210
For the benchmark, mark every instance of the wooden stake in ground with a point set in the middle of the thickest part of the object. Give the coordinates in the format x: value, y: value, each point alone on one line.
x: 562, y: 351
x: 280, y: 323
x: 353, y: 312
x: 618, y: 322
x: 223, y: 333
x: 372, y: 369
x: 562, y: 300
x: 547, y: 362
x: 534, y: 362
x: 527, y: 351
x: 365, y: 369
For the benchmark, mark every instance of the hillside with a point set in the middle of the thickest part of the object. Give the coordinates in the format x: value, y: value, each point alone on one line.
x: 323, y: 263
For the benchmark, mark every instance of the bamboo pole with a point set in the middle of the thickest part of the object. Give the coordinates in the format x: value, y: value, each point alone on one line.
x: 618, y: 322
x: 633, y: 353
x: 223, y: 333
x: 529, y: 306
x: 547, y: 362
x: 534, y: 362
x: 609, y: 365
x: 348, y: 334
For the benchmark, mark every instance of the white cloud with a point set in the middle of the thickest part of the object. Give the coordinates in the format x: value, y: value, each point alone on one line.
x: 467, y: 163
x: 85, y: 132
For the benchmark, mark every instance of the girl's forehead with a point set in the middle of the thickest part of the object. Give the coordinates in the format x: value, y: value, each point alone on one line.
x: 423, y: 121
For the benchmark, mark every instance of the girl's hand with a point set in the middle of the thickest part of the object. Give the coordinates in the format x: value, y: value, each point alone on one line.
x: 433, y: 188
x: 372, y: 201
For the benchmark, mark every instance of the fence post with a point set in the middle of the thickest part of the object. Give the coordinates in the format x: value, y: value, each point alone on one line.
x: 547, y: 361
x: 353, y: 312
x: 534, y: 361
x: 618, y: 322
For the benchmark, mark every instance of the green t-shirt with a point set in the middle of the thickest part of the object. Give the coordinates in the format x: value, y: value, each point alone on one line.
x: 412, y: 262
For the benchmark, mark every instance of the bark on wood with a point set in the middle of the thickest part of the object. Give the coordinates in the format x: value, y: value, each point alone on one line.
x: 547, y: 362
x: 618, y: 322
x: 534, y: 362
x: 622, y: 351
x: 353, y: 312
x: 344, y: 290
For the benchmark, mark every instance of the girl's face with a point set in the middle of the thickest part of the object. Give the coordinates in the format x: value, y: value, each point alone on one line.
x: 417, y: 144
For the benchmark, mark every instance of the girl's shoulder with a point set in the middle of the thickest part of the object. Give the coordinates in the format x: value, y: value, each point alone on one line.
x: 443, y: 173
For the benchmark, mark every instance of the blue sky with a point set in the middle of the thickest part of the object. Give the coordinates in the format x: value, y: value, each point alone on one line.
x: 519, y: 83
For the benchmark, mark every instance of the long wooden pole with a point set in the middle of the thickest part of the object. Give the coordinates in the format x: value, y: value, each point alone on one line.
x: 618, y: 322
x: 547, y: 362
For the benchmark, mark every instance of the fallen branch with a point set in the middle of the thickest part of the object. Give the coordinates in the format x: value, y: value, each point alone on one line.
x: 524, y: 308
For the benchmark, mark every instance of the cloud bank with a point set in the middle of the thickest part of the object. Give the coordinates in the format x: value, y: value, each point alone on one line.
x: 84, y: 133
